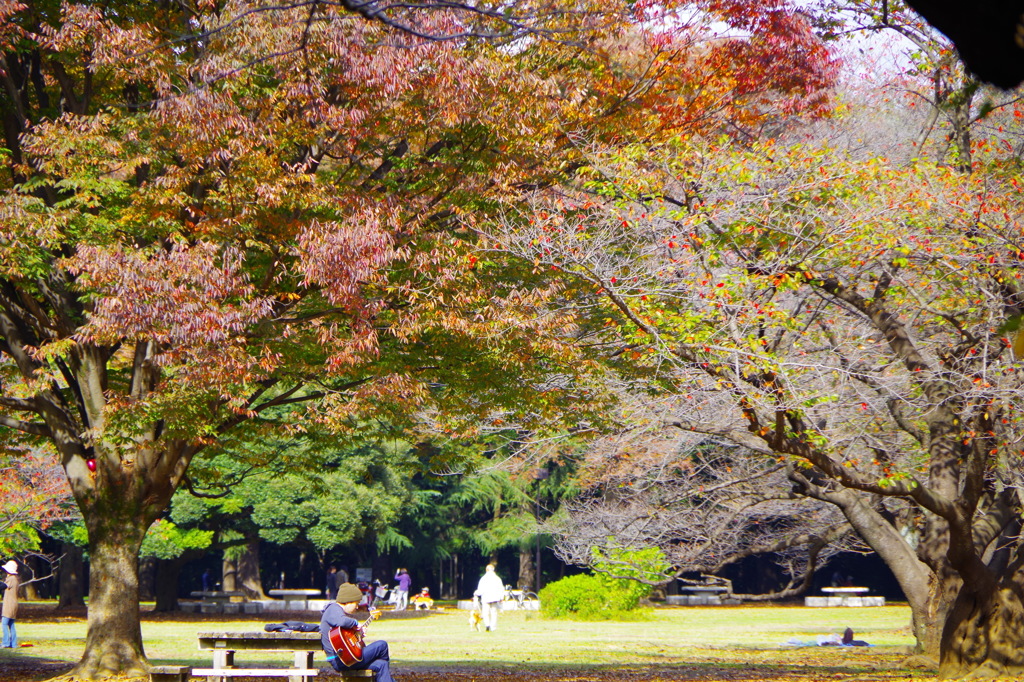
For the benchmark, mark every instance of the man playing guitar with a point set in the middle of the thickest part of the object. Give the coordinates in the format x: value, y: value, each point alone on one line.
x: 337, y: 620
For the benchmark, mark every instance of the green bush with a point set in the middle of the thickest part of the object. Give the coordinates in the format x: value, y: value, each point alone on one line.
x: 591, y: 597
x: 615, y: 563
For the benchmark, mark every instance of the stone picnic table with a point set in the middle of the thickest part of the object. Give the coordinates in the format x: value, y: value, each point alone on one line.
x: 220, y: 597
x: 302, y: 595
x: 697, y: 595
x: 845, y: 596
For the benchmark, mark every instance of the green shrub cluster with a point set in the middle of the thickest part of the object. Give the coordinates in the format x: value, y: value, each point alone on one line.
x: 644, y: 564
x: 591, y: 597
x: 611, y: 595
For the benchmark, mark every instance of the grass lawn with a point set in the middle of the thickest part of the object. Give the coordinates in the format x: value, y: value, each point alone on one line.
x: 734, y: 643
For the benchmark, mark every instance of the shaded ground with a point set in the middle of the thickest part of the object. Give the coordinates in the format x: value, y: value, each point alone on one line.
x: 31, y: 670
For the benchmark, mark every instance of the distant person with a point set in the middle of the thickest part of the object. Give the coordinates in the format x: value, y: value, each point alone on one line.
x: 207, y: 580
x: 404, y: 580
x: 841, y: 580
x: 491, y: 592
x: 332, y: 583
x: 342, y: 574
x: 423, y: 600
x: 338, y: 613
x: 368, y: 596
x: 10, y: 607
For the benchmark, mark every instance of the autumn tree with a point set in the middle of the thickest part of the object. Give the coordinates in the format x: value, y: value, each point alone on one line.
x: 854, y: 320
x: 198, y: 230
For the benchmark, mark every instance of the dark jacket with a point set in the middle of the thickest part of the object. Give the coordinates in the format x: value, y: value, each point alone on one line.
x: 333, y: 616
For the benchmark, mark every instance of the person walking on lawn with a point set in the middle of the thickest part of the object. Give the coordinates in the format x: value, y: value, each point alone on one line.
x: 10, y: 607
x: 376, y: 656
x: 402, y: 589
x: 491, y: 592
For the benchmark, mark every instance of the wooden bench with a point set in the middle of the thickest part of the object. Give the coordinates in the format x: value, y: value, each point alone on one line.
x: 302, y: 644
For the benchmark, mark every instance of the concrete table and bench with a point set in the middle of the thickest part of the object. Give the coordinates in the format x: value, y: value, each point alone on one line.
x: 698, y: 595
x: 845, y: 596
x: 295, y: 599
x: 221, y: 602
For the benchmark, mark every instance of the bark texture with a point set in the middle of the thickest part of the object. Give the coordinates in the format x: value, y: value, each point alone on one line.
x: 113, y: 643
x: 982, y: 635
x: 71, y: 576
x: 527, y: 570
x: 248, y: 577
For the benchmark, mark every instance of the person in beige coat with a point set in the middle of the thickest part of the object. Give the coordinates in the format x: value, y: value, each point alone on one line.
x: 10, y: 607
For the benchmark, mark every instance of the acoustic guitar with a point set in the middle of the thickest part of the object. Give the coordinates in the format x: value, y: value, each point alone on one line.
x: 348, y: 642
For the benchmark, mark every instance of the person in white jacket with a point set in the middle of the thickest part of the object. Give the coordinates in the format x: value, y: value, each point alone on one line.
x: 491, y: 592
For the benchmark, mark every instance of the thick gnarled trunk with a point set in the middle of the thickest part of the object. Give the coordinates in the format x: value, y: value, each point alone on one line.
x: 983, y: 634
x: 113, y: 644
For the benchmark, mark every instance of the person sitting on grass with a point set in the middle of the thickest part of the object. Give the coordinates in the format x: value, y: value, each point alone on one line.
x: 376, y: 656
x: 422, y: 600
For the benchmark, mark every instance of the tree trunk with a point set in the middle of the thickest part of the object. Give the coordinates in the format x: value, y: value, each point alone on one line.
x: 914, y: 576
x: 28, y: 592
x: 70, y: 576
x: 527, y: 575
x: 982, y: 634
x: 248, y: 577
x: 147, y: 578
x: 944, y: 586
x: 113, y: 644
x: 229, y: 573
x: 166, y: 584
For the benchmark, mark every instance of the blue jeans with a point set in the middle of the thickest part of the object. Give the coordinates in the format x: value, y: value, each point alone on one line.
x: 375, y: 657
x: 10, y: 636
